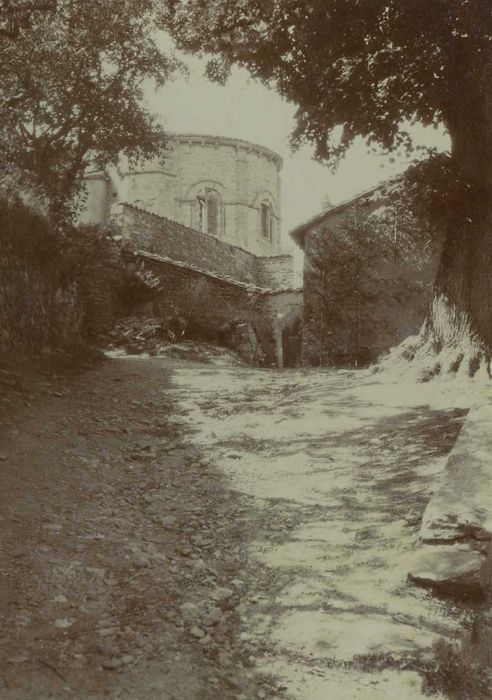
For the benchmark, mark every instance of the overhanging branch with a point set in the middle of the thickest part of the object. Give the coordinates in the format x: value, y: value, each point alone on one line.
x: 13, y: 18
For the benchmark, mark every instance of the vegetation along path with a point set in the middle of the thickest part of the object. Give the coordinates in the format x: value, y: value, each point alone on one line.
x: 185, y: 531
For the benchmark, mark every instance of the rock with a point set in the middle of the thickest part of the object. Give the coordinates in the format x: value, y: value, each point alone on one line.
x: 23, y: 619
x: 3, y: 458
x: 60, y: 599
x: 159, y: 556
x: 18, y: 659
x: 221, y: 594
x: 212, y: 617
x: 112, y: 664
x: 244, y: 341
x: 140, y: 560
x: 224, y: 659
x: 63, y: 622
x: 245, y: 637
x: 197, y: 633
x: 462, y: 503
x: 447, y: 568
x: 189, y: 609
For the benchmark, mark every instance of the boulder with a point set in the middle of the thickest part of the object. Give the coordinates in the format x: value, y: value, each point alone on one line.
x: 461, y: 507
x: 448, y: 568
x: 244, y: 341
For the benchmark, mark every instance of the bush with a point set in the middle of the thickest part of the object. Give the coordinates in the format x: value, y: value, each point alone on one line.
x: 26, y: 235
x: 39, y: 305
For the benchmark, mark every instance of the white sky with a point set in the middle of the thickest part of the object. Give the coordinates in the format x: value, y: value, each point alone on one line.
x: 246, y: 109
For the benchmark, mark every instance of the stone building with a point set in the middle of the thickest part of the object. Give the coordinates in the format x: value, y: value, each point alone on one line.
x: 211, y: 209
x: 367, y: 279
x: 225, y: 187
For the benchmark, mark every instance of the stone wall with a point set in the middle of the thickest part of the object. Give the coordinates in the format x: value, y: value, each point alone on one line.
x: 245, y: 175
x: 211, y: 306
x: 97, y: 199
x: 218, y: 284
x: 283, y: 313
x: 275, y: 272
x: 242, y: 174
x: 169, y: 239
x: 214, y: 306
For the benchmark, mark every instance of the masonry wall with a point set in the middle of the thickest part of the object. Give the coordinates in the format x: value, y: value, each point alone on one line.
x: 214, y: 306
x: 180, y: 243
x: 283, y: 312
x: 275, y: 272
x: 97, y: 199
x: 153, y: 189
x: 219, y: 283
x: 243, y: 175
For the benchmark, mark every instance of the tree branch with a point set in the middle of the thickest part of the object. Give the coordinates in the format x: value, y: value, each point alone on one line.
x: 17, y: 17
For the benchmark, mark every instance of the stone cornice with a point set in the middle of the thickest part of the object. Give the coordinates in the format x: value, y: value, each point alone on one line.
x: 226, y: 141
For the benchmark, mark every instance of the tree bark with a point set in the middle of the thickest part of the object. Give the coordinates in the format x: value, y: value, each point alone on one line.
x: 457, y: 334
x: 459, y: 323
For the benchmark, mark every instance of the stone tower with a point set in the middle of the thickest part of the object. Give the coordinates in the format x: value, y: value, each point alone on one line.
x: 224, y: 187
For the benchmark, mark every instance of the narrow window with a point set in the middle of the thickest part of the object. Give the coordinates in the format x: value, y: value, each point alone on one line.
x: 266, y: 221
x: 208, y: 212
x: 201, y: 212
x: 212, y: 215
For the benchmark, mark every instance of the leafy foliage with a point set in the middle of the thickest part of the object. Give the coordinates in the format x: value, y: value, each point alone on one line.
x: 25, y: 234
x: 434, y: 192
x: 376, y: 256
x: 353, y: 67
x: 71, y: 91
x: 16, y: 14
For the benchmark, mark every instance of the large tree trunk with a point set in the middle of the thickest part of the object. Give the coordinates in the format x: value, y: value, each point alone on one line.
x: 459, y: 324
x: 457, y: 334
x: 458, y: 328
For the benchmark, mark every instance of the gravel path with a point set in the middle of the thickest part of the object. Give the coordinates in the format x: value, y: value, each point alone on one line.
x: 122, y: 547
x: 173, y: 531
x: 339, y: 468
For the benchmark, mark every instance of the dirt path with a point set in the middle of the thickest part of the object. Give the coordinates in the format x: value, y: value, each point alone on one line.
x: 121, y: 547
x: 339, y: 467
x: 189, y: 532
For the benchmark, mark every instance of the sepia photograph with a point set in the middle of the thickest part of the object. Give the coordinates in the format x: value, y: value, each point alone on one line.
x: 245, y: 349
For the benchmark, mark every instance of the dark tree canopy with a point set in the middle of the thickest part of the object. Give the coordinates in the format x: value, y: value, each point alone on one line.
x: 361, y: 65
x: 16, y: 14
x: 71, y: 90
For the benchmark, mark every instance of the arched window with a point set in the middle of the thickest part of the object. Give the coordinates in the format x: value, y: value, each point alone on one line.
x: 266, y: 221
x: 209, y: 212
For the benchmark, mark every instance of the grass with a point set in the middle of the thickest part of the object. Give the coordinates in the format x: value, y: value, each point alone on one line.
x: 457, y: 674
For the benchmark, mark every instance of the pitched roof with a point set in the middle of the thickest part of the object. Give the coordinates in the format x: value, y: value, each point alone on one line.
x: 298, y: 233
